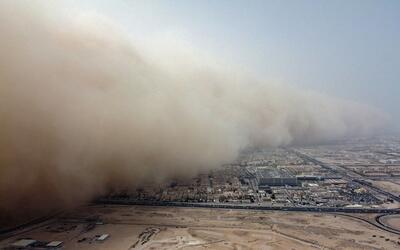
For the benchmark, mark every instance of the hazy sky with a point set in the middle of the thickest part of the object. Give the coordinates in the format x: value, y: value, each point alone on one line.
x: 108, y: 96
x: 348, y: 49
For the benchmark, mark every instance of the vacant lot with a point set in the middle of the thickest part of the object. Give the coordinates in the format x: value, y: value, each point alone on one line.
x: 139, y: 227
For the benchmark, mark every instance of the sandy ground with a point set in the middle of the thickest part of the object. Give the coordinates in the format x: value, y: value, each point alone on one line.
x: 139, y: 227
x: 393, y: 221
x: 388, y: 186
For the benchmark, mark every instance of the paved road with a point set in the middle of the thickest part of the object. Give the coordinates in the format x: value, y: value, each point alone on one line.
x: 128, y: 201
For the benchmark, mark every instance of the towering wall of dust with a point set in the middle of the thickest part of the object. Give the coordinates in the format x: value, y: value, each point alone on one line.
x: 81, y: 110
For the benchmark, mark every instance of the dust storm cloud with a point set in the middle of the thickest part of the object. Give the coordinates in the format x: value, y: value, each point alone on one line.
x: 83, y: 110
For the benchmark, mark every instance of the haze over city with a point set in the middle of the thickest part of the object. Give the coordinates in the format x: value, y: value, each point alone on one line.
x: 267, y: 105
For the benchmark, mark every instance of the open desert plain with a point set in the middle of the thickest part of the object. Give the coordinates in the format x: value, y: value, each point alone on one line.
x: 142, y: 227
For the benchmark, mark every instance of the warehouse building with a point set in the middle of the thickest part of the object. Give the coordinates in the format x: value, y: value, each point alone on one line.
x: 273, y: 176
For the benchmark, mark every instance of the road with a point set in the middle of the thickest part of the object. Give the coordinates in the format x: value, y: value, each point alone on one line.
x: 314, y: 209
x: 355, y: 177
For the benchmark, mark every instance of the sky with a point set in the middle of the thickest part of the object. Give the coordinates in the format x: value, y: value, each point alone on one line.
x: 348, y: 49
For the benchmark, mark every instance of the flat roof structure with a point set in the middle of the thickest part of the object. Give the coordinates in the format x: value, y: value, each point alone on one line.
x: 103, y: 237
x: 23, y: 243
x: 54, y: 244
x: 272, y: 176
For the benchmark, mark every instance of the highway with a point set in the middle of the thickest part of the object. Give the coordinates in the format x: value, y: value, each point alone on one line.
x: 378, y: 224
x: 128, y: 201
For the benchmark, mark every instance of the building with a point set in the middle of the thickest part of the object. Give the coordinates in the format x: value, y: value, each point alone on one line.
x: 23, y: 243
x: 103, y: 237
x: 273, y: 176
x: 54, y: 244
